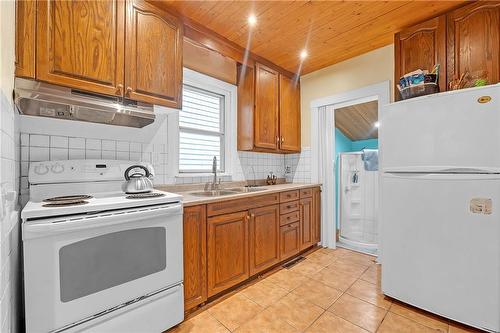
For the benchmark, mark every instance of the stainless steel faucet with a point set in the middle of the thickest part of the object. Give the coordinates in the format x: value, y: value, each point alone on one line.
x: 214, y: 170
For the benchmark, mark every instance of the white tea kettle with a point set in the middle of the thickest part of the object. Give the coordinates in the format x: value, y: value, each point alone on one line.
x: 138, y: 182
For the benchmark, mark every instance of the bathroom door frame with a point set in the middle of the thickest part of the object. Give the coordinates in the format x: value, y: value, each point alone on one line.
x: 324, y: 109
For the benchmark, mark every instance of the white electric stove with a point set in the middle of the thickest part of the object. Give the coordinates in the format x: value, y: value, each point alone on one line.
x: 95, y: 258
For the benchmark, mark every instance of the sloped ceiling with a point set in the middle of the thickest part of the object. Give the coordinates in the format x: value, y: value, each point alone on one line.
x: 357, y: 122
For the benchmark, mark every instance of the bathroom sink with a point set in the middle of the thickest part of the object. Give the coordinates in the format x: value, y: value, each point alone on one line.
x: 216, y: 193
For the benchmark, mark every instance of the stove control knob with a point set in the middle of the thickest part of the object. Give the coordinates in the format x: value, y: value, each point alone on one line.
x: 41, y: 169
x: 57, y: 168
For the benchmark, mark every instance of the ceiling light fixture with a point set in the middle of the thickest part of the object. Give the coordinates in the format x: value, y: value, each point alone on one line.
x: 377, y: 124
x: 303, y: 54
x: 252, y: 20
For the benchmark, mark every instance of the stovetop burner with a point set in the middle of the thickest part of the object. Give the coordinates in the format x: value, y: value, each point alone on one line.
x: 64, y: 203
x: 68, y: 200
x: 144, y: 195
x: 79, y: 197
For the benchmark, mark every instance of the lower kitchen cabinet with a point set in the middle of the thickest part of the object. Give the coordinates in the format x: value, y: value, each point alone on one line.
x: 195, y: 256
x: 289, y: 240
x: 227, y: 251
x: 264, y: 236
x: 316, y: 225
x: 227, y: 241
x: 306, y: 222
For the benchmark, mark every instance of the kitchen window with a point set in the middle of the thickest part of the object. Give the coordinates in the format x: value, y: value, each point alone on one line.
x: 201, y: 130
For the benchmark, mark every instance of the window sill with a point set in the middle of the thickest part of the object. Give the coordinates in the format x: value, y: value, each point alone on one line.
x: 191, y: 175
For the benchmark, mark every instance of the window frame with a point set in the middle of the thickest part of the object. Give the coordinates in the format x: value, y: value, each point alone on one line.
x: 207, y: 83
x: 221, y: 134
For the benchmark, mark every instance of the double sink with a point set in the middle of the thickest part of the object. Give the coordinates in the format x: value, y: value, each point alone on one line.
x: 228, y: 191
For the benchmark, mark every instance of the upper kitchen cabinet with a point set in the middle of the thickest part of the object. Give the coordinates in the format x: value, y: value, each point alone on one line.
x: 268, y: 110
x: 289, y: 114
x: 266, y: 125
x: 474, y: 41
x: 421, y: 47
x: 153, y: 64
x: 129, y: 49
x: 80, y: 44
x: 25, y: 38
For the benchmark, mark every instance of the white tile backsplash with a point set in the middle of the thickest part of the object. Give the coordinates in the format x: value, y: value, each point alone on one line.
x: 77, y: 143
x: 58, y: 142
x: 92, y: 144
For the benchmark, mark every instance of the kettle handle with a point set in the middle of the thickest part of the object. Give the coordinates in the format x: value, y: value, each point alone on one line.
x: 127, y: 176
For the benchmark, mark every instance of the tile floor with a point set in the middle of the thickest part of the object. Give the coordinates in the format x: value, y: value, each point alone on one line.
x: 330, y: 291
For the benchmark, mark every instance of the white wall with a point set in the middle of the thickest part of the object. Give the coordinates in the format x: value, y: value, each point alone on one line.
x: 10, y: 278
x: 361, y: 71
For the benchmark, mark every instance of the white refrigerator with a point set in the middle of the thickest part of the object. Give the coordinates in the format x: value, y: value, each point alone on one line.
x: 440, y: 204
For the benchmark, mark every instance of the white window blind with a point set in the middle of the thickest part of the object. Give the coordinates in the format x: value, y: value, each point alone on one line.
x: 201, y: 130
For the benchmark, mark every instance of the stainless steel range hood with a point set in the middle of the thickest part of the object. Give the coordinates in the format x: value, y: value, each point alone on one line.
x: 36, y: 98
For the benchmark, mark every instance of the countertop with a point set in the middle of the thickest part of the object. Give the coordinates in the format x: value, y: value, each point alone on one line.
x: 192, y: 200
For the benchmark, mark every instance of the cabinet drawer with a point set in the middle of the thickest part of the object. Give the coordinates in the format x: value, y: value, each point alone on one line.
x: 306, y: 193
x: 289, y: 196
x: 238, y: 205
x: 288, y: 207
x: 289, y: 218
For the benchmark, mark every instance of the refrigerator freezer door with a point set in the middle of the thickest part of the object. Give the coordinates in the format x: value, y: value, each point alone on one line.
x: 453, y: 130
x: 441, y: 244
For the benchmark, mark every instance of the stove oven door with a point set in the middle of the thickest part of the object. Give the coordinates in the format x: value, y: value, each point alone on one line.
x: 78, y: 266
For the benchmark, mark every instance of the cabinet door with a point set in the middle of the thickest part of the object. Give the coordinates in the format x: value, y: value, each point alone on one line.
x: 80, y: 44
x: 289, y: 114
x: 153, y: 66
x: 289, y: 240
x: 421, y: 47
x: 25, y: 38
x: 227, y: 251
x: 195, y: 256
x: 474, y: 40
x: 266, y: 108
x: 264, y: 237
x: 306, y: 223
x: 316, y: 227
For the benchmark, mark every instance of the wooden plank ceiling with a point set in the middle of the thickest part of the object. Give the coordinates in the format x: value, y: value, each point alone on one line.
x: 357, y: 122
x: 331, y: 31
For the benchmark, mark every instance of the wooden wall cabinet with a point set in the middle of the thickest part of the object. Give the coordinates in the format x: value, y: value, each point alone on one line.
x: 264, y: 237
x: 268, y: 110
x: 289, y: 114
x: 227, y: 251
x: 153, y: 63
x: 421, y: 47
x: 25, y: 38
x: 81, y: 45
x: 465, y: 40
x: 266, y: 126
x: 195, y: 256
x: 473, y: 40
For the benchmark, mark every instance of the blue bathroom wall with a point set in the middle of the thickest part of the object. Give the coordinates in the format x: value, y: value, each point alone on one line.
x: 344, y: 144
x: 362, y: 144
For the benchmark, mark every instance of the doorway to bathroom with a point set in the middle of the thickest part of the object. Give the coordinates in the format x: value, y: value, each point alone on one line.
x: 325, y: 166
x: 356, y: 175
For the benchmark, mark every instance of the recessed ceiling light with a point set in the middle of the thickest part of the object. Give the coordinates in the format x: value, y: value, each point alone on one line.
x: 303, y: 54
x: 377, y: 124
x: 252, y: 20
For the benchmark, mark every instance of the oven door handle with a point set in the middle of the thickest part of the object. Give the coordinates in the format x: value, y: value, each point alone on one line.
x: 36, y: 230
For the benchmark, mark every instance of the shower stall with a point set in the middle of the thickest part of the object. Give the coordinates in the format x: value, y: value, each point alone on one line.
x: 358, y: 204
